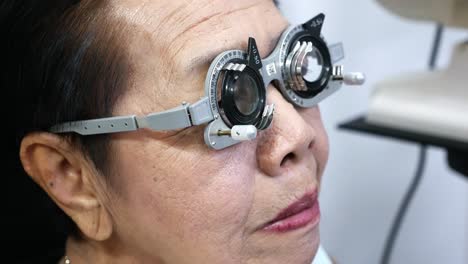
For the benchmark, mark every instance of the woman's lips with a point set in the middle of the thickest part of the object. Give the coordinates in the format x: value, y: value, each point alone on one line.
x: 299, y: 214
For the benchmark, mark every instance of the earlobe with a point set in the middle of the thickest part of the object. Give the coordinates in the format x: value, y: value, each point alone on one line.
x: 69, y: 179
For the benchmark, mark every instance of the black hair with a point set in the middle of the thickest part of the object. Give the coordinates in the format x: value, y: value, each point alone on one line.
x: 61, y: 60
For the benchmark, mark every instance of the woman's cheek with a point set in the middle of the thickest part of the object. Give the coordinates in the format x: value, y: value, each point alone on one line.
x: 226, y: 198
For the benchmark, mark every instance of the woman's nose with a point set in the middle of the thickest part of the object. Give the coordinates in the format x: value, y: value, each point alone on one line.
x: 289, y: 139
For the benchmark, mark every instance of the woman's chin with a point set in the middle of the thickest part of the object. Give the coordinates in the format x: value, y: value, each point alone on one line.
x: 296, y: 247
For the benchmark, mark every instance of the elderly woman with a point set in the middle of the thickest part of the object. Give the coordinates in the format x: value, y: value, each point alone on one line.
x: 157, y: 149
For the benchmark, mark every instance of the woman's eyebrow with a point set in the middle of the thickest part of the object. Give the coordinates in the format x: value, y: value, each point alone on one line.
x: 199, y: 61
x: 203, y: 58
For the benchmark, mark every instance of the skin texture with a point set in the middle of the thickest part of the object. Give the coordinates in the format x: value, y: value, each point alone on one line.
x: 169, y: 198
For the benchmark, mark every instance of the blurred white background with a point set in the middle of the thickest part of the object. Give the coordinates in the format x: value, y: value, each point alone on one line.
x: 367, y: 176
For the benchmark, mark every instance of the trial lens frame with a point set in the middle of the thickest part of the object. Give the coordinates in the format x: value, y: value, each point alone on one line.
x: 284, y: 67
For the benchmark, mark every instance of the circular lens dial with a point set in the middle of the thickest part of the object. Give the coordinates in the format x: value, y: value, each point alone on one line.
x: 307, y: 67
x: 246, y: 94
x: 312, y: 66
x: 241, y: 94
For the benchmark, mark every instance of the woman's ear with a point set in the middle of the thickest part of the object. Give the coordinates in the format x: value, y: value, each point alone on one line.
x: 70, y: 179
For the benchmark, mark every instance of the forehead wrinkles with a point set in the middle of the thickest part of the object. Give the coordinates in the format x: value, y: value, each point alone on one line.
x: 172, y: 24
x: 213, y: 21
x: 228, y: 29
x: 166, y: 20
x: 176, y: 31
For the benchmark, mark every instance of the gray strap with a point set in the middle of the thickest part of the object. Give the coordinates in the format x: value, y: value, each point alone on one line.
x: 180, y: 117
x: 177, y: 118
x: 98, y: 126
x: 200, y: 112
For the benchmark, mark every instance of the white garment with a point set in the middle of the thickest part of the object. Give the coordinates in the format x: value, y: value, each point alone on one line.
x: 322, y: 257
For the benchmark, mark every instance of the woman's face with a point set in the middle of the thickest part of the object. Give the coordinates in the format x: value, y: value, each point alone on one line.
x: 173, y: 199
